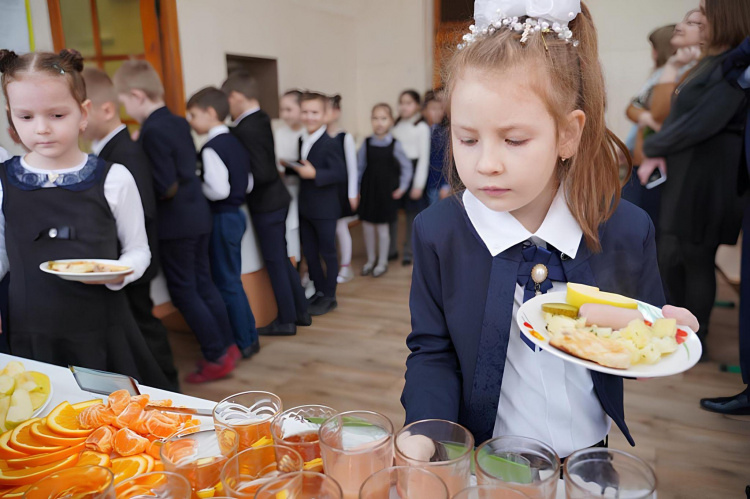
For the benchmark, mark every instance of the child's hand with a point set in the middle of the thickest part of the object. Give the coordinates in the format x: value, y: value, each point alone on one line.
x: 354, y: 203
x: 398, y: 194
x: 683, y: 316
x: 307, y: 171
x: 416, y: 194
x: 115, y: 280
x: 648, y: 166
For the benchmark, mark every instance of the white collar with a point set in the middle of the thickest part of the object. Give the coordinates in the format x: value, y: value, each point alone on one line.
x: 313, y: 138
x: 43, y: 171
x: 244, y: 115
x: 500, y: 230
x: 98, y: 145
x: 217, y: 130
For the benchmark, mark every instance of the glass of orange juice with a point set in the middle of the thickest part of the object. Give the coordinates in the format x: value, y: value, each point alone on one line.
x: 519, y: 463
x: 298, y: 428
x: 301, y: 485
x: 199, y: 453
x: 250, y: 414
x: 355, y: 445
x: 404, y: 482
x: 81, y: 482
x: 495, y: 491
x: 155, y: 484
x: 246, y: 472
x: 443, y: 447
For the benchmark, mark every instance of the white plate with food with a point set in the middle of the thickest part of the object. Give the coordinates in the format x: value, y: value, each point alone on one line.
x: 85, y: 270
x: 634, y: 341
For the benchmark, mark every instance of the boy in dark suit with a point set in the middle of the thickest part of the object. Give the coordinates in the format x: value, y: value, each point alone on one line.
x: 183, y: 218
x: 111, y: 142
x: 324, y: 168
x: 225, y: 182
x: 268, y: 203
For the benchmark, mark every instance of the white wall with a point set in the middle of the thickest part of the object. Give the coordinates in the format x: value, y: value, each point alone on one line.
x: 366, y: 51
x: 624, y: 26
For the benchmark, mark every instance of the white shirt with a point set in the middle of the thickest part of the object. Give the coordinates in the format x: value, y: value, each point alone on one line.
x: 352, y: 169
x: 310, y: 139
x: 4, y: 155
x: 245, y: 115
x: 542, y: 396
x: 98, y: 145
x: 286, y: 144
x: 215, y: 173
x: 123, y: 199
x: 416, y: 140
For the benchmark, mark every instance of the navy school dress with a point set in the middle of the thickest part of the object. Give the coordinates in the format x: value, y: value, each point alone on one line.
x: 379, y: 180
x: 461, y: 307
x: 63, y: 322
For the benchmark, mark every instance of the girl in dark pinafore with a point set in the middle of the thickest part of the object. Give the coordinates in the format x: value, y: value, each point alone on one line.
x: 59, y: 203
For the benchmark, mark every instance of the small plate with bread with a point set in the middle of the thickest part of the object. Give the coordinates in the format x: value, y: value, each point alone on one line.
x: 608, y: 333
x: 85, y: 270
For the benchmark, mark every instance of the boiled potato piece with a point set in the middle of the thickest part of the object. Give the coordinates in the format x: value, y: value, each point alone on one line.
x: 665, y: 328
x: 20, y: 408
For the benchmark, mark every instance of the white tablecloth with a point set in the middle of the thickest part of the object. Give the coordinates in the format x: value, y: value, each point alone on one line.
x: 65, y: 388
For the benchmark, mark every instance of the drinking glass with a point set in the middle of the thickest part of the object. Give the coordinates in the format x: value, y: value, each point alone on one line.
x: 156, y: 484
x: 404, y: 482
x: 599, y: 472
x: 246, y: 472
x: 298, y: 428
x: 495, y: 491
x: 302, y: 485
x: 250, y: 415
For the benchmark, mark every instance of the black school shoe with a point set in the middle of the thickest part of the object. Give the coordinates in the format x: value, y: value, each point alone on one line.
x: 304, y: 321
x: 739, y: 405
x: 248, y: 352
x: 276, y: 328
x: 310, y: 301
x: 393, y: 256
x: 406, y: 261
x: 323, y: 305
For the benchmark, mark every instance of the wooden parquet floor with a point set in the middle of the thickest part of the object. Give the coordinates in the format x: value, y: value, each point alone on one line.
x: 353, y: 358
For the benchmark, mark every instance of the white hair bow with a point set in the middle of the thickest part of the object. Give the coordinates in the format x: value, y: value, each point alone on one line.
x: 554, y: 11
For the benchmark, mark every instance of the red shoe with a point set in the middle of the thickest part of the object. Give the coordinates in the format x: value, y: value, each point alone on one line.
x: 234, y: 353
x: 211, y: 371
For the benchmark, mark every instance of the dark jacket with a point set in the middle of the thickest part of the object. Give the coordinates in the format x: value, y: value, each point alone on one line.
x: 462, y: 307
x: 702, y: 143
x: 319, y: 197
x: 121, y: 149
x: 269, y: 192
x: 167, y: 142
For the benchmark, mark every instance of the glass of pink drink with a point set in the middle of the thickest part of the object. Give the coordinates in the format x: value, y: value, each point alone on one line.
x: 302, y: 485
x: 403, y: 482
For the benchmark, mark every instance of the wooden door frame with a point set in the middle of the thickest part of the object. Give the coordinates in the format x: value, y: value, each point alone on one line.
x: 162, y: 51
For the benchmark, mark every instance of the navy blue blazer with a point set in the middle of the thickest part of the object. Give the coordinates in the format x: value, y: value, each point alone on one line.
x: 462, y: 304
x: 167, y: 142
x: 319, y: 197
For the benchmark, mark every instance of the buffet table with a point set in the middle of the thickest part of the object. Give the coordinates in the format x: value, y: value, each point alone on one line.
x: 65, y: 388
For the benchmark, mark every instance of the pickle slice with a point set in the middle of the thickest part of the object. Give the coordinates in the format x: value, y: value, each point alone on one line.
x: 560, y: 309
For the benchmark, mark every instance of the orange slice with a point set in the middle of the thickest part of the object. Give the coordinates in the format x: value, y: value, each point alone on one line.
x: 31, y: 475
x: 63, y: 420
x: 151, y: 462
x: 82, y: 405
x: 6, y: 451
x: 40, y: 459
x: 128, y: 467
x: 158, y: 465
x: 93, y: 458
x: 16, y: 492
x: 22, y: 440
x: 43, y: 434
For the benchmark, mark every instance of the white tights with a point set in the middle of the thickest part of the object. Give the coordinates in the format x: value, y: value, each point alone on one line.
x: 344, y: 238
x: 384, y: 240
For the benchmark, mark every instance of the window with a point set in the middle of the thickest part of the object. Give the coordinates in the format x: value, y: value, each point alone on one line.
x: 109, y: 32
x: 452, y: 20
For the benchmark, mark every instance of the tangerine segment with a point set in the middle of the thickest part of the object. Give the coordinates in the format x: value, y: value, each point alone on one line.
x: 101, y: 440
x: 154, y: 449
x: 161, y: 425
x: 63, y: 420
x: 40, y: 459
x: 128, y: 443
x: 6, y: 451
x: 30, y: 475
x: 43, y: 434
x: 129, y: 416
x: 95, y: 416
x: 141, y: 400
x: 118, y: 401
x: 22, y: 440
x: 93, y: 458
x: 128, y: 467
